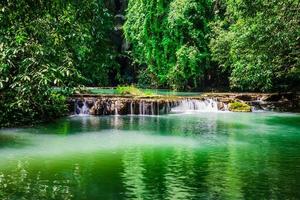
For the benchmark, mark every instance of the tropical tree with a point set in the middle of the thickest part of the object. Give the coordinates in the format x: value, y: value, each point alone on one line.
x: 169, y: 38
x: 258, y: 42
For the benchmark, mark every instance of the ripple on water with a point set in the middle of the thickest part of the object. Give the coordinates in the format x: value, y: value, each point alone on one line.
x: 194, y: 156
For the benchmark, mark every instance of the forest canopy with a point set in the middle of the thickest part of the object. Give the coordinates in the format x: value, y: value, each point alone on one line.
x: 51, y: 43
x: 258, y: 43
x: 255, y: 42
x: 169, y: 38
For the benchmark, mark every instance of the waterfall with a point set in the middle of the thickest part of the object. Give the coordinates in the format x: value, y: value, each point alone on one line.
x: 81, y: 108
x: 131, y: 108
x: 152, y: 108
x: 168, y: 107
x: 116, y: 108
x: 226, y: 107
x: 192, y: 105
x: 140, y: 109
x: 146, y: 107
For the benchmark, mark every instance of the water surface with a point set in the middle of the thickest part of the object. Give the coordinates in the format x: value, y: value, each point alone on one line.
x: 164, y: 92
x: 176, y: 156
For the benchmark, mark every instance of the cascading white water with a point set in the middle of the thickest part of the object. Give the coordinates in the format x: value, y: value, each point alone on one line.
x: 140, y: 108
x: 192, y: 105
x: 84, y: 110
x: 144, y: 108
x: 226, y: 107
x: 116, y: 108
x: 168, y: 107
x: 152, y: 109
x: 86, y: 107
x: 131, y: 108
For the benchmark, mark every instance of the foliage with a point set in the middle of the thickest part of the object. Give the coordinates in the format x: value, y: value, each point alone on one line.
x: 168, y: 37
x: 258, y: 42
x: 132, y: 90
x: 89, y: 29
x: 20, y: 183
x: 239, y: 107
x: 128, y: 90
x: 45, y: 44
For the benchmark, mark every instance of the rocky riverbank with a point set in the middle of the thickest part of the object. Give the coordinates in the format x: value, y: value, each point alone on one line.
x: 155, y: 105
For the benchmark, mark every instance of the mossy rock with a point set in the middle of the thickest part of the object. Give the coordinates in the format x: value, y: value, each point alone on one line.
x: 239, y: 107
x: 134, y: 91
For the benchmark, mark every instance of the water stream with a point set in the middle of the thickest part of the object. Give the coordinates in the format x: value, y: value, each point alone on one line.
x: 188, y: 105
x: 155, y: 107
x: 211, y: 155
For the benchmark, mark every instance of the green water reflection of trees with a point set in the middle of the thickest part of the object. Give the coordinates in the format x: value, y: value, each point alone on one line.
x: 245, y: 166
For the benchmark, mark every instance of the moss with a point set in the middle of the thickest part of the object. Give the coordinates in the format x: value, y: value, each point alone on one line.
x: 132, y: 90
x: 239, y: 107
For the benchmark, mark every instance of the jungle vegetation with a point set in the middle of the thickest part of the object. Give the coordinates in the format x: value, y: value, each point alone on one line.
x: 240, y: 45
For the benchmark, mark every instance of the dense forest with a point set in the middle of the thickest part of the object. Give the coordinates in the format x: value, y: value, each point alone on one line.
x: 238, y: 45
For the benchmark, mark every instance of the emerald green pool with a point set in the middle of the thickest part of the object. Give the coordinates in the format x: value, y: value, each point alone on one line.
x: 163, y: 92
x: 186, y: 156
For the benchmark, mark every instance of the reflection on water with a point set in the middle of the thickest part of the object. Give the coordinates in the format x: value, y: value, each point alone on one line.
x: 20, y: 184
x: 6, y: 140
x: 133, y: 176
x: 180, y: 174
x: 203, y: 156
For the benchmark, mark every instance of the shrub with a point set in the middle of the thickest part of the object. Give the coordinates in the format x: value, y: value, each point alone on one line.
x: 132, y: 90
x: 239, y: 107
